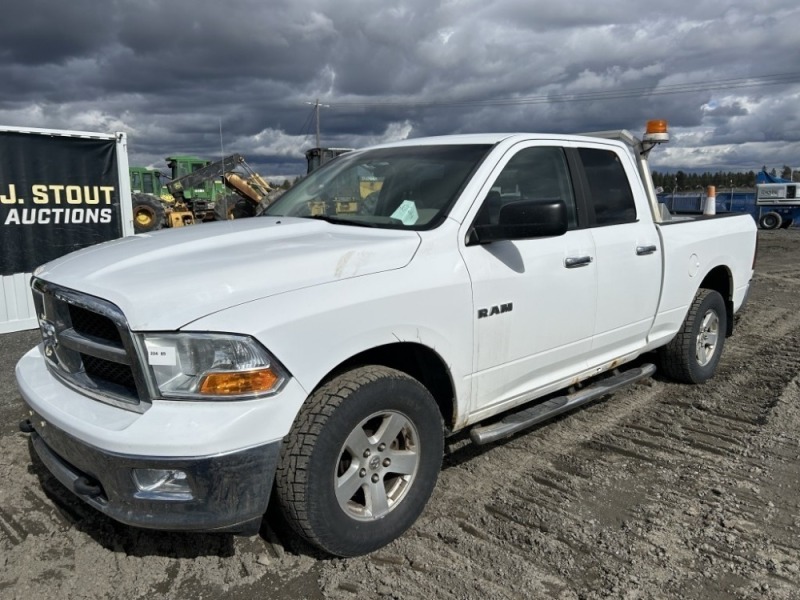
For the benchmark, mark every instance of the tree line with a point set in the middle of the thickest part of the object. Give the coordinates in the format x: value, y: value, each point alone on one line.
x: 683, y: 181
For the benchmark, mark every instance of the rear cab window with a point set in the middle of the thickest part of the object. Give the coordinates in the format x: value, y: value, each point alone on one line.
x: 609, y: 192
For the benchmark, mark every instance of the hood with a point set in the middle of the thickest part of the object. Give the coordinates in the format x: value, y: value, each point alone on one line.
x: 166, y: 279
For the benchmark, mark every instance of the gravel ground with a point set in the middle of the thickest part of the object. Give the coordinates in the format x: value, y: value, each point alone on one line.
x: 660, y: 491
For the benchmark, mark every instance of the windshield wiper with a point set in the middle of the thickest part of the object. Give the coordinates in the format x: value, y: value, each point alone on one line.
x: 341, y: 220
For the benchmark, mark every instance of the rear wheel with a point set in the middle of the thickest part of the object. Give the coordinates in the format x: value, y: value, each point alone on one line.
x: 694, y: 353
x: 770, y: 220
x: 361, y: 461
x: 148, y: 213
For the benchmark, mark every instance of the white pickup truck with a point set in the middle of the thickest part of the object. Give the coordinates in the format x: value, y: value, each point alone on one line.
x: 320, y: 355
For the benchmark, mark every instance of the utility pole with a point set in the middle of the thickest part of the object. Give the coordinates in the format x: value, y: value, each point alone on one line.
x: 317, y: 106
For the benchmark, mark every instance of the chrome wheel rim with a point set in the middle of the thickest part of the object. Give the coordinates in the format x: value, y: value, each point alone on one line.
x: 707, y: 338
x: 377, y: 465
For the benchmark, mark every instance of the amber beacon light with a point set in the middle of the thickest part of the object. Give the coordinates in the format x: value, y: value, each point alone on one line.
x: 656, y: 132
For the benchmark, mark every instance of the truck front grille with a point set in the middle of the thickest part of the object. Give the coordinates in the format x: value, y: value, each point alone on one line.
x: 109, y: 374
x: 91, y: 324
x: 88, y: 345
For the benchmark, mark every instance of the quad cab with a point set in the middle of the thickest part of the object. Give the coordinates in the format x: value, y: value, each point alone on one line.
x: 492, y: 282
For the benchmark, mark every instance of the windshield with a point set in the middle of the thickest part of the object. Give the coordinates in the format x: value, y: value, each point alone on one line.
x: 411, y: 187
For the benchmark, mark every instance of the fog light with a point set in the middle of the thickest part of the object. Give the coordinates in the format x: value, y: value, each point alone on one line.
x: 162, y: 484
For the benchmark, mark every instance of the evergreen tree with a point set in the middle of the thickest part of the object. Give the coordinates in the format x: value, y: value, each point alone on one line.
x: 722, y: 180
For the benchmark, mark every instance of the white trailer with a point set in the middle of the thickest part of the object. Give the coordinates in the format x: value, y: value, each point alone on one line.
x: 59, y: 191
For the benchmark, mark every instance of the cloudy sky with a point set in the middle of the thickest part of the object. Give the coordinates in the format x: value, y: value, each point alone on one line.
x: 174, y: 73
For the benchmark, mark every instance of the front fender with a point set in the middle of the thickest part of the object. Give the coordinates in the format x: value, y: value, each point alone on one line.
x: 314, y: 330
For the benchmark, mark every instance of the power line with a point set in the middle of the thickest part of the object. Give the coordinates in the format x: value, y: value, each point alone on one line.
x: 683, y: 88
x: 307, y: 126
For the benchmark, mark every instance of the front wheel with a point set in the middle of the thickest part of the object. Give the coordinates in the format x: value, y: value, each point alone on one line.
x: 694, y: 353
x: 361, y: 461
x: 148, y: 213
x: 242, y: 209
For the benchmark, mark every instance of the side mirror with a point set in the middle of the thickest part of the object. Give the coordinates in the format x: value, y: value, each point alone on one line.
x: 523, y: 219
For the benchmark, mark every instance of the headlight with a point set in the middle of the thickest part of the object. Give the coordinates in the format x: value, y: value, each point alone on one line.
x: 211, y: 365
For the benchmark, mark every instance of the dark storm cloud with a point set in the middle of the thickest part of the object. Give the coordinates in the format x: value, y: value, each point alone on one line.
x: 36, y: 32
x: 173, y: 74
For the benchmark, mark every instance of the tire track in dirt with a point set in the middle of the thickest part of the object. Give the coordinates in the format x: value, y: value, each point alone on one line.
x: 659, y: 491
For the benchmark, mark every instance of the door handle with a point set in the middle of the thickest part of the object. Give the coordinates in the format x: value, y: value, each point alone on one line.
x: 572, y: 262
x: 643, y: 250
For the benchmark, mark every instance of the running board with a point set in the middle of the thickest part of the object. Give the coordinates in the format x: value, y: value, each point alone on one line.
x: 555, y: 406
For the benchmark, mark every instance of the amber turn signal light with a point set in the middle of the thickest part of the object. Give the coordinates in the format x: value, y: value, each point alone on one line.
x: 229, y: 383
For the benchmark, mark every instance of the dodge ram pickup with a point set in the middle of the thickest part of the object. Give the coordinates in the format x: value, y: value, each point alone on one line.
x: 320, y: 355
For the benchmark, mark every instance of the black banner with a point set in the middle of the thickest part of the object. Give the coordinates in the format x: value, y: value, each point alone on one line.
x: 57, y: 194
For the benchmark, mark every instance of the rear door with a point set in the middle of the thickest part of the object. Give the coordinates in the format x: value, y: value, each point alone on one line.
x: 534, y: 300
x: 628, y: 252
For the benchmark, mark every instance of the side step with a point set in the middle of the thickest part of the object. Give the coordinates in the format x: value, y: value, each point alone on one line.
x: 555, y: 406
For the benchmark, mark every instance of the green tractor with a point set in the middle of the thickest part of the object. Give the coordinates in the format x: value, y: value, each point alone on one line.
x: 158, y: 204
x: 147, y: 196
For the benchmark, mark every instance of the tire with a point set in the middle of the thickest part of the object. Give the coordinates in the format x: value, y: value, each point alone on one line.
x: 694, y: 353
x: 243, y: 209
x: 770, y: 220
x: 148, y: 213
x: 376, y: 435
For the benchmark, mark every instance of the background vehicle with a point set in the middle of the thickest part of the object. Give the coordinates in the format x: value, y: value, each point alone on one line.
x: 773, y: 204
x: 350, y: 196
x: 498, y: 280
x: 316, y: 157
x: 198, y: 190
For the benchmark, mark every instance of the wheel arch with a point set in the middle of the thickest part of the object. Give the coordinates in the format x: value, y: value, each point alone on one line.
x: 720, y: 279
x: 416, y: 360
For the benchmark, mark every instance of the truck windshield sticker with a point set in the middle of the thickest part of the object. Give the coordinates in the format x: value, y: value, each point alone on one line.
x: 406, y: 212
x: 158, y: 355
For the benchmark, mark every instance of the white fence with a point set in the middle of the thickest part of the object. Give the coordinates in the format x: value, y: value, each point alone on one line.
x: 16, y: 303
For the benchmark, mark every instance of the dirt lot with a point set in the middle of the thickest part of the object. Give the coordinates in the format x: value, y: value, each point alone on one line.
x: 661, y: 491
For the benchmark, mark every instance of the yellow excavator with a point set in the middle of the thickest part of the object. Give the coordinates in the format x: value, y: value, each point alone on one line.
x: 254, y: 190
x: 237, y: 175
x: 196, y: 193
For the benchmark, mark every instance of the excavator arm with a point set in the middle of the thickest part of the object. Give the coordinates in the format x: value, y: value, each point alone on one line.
x: 212, y: 171
x: 254, y: 188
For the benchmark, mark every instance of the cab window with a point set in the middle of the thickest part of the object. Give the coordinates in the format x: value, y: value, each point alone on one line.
x: 539, y: 174
x: 609, y: 190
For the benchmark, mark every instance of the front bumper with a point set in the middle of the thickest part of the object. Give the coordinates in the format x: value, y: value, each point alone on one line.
x: 228, y: 450
x: 229, y: 492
